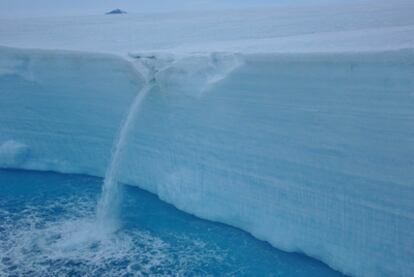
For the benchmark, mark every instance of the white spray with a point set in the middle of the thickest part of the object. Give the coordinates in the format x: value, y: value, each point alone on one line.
x: 111, y: 197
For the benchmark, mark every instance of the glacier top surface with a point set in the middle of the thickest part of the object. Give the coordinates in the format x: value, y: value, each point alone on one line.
x: 360, y: 26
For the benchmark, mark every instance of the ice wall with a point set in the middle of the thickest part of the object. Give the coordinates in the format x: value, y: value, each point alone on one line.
x: 313, y: 153
x: 62, y: 109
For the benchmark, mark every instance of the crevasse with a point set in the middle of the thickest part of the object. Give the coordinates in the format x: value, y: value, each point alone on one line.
x: 310, y: 152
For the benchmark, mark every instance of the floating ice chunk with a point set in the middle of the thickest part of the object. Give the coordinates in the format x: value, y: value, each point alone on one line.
x: 116, y: 11
x: 13, y: 153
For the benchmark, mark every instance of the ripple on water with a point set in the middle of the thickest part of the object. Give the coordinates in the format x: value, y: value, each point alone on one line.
x: 48, y: 228
x: 34, y: 242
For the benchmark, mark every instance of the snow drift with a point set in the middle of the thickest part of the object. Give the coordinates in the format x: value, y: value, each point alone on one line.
x: 311, y: 152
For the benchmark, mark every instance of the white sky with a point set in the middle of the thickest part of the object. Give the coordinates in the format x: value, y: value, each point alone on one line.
x: 29, y: 8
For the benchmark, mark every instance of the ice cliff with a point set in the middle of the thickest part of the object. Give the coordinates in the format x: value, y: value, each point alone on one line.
x: 312, y: 152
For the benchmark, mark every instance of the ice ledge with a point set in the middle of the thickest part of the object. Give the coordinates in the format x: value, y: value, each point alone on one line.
x: 193, y: 73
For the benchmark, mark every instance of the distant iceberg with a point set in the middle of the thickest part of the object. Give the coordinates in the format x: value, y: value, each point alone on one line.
x: 117, y: 11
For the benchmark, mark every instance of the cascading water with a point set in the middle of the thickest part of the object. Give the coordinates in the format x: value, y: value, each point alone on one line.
x: 111, y: 195
x: 167, y: 71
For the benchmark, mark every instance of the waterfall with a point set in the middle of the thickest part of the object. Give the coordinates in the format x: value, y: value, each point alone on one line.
x: 193, y: 75
x: 109, y: 203
x: 111, y: 197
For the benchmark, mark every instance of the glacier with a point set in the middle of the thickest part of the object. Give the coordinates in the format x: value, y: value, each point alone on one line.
x: 315, y: 155
x: 301, y: 134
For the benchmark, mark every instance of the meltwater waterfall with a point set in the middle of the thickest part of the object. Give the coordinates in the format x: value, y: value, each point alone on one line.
x: 209, y: 69
x: 109, y: 202
x: 111, y: 196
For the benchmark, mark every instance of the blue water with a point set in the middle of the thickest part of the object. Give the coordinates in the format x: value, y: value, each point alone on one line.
x: 47, y: 228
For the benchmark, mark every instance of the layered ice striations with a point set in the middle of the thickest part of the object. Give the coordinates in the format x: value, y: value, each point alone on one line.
x: 310, y: 152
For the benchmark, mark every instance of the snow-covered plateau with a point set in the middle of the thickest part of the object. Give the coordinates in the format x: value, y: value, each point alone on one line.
x: 293, y: 123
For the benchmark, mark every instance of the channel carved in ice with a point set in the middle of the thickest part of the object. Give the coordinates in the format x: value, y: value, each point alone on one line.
x: 194, y: 74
